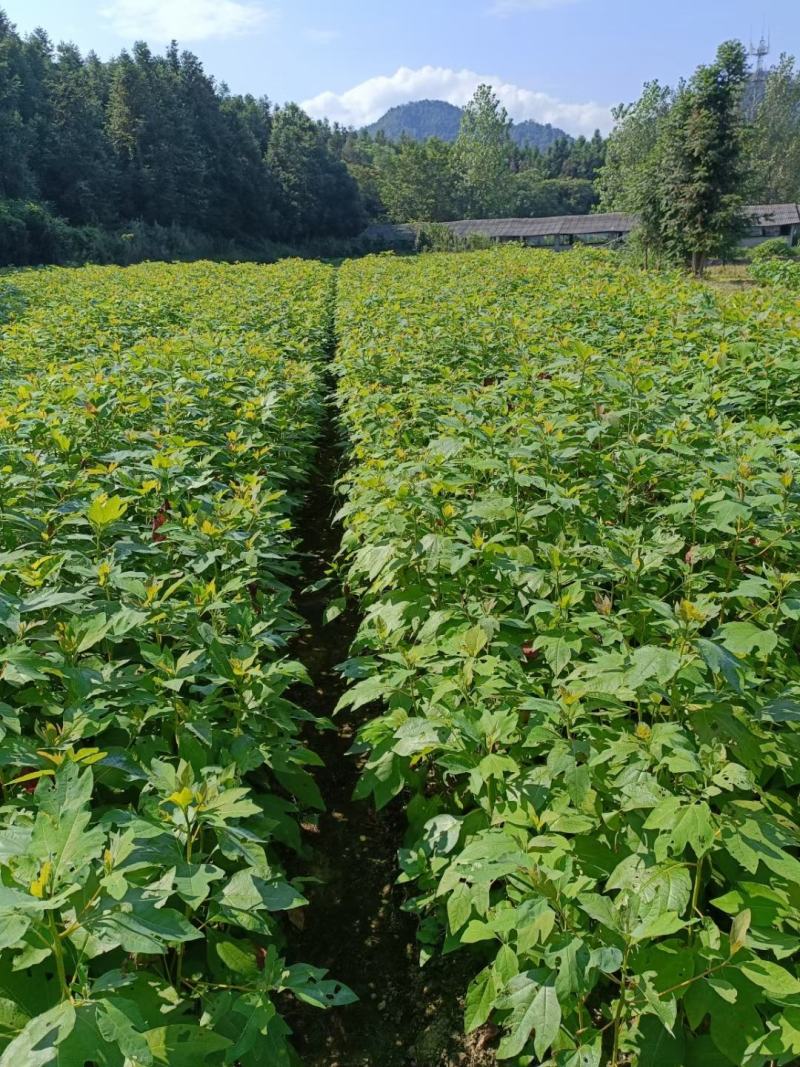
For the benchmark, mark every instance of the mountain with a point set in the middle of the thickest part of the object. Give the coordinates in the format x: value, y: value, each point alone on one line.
x: 435, y: 118
x: 533, y: 134
x: 419, y: 120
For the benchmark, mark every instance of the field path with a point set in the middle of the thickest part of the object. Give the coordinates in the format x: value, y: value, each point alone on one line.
x: 354, y: 925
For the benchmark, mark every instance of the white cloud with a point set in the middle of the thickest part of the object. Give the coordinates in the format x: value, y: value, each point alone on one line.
x: 183, y: 20
x: 320, y: 36
x: 368, y: 100
x: 514, y: 7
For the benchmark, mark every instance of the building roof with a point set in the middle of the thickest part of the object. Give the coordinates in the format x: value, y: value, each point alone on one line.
x: 774, y: 214
x: 609, y: 224
x: 546, y: 227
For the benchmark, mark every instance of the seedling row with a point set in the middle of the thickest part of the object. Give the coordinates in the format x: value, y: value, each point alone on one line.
x: 572, y: 528
x: 157, y: 426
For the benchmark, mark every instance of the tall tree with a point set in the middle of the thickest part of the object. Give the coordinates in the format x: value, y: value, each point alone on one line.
x: 627, y: 173
x: 629, y: 178
x: 678, y: 159
x: 16, y: 176
x: 702, y: 163
x: 318, y: 195
x: 483, y: 152
x: 76, y: 166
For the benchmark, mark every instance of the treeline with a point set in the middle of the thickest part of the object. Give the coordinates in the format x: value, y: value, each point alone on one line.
x: 147, y: 156
x: 150, y: 151
x: 484, y: 173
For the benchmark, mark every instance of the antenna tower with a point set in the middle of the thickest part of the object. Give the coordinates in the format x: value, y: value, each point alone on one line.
x: 759, y: 52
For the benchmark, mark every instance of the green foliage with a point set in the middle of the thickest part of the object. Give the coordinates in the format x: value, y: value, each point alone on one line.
x: 482, y: 154
x: 92, y: 150
x: 629, y: 173
x: 680, y: 160
x: 534, y: 197
x: 701, y: 162
x: 317, y: 195
x: 777, y: 271
x: 433, y: 237
x: 156, y: 429
x: 419, y: 182
x: 571, y: 525
x: 776, y: 248
x: 776, y: 136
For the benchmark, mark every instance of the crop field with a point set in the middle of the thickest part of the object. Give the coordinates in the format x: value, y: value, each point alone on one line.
x: 567, y: 499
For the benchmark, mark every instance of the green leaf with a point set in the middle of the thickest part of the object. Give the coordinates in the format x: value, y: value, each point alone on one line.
x: 193, y: 881
x: 480, y: 1000
x: 238, y: 956
x: 775, y: 980
x: 742, y: 638
x: 141, y: 927
x: 310, y: 985
x: 658, y: 1047
x: 459, y: 906
x: 657, y: 926
x: 334, y: 609
x: 689, y: 824
x: 739, y: 928
x: 534, y: 1007
x: 104, y: 510
x: 245, y: 891
x: 473, y: 641
x: 185, y: 1045
x: 783, y: 709
x: 585, y: 1056
x: 118, y: 1029
x: 720, y: 661
x: 38, y: 1043
x: 652, y: 661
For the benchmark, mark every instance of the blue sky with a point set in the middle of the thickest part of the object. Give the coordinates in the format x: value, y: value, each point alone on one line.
x: 563, y: 61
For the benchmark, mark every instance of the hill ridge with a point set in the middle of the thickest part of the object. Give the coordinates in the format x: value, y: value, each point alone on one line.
x: 420, y: 119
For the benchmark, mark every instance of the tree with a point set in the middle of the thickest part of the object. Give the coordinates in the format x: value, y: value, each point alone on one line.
x: 417, y: 181
x: 628, y: 180
x: 76, y: 166
x: 318, y: 195
x: 16, y: 177
x: 776, y: 136
x: 678, y: 160
x: 627, y: 172
x: 701, y: 161
x: 483, y: 153
x: 533, y: 197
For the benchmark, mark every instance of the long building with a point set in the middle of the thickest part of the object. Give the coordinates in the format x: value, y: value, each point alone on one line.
x: 766, y: 221
x: 561, y: 231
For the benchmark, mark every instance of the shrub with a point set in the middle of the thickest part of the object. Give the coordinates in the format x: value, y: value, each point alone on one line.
x: 775, y: 248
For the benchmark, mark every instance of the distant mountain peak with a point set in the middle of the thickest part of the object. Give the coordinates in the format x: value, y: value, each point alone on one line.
x: 421, y: 119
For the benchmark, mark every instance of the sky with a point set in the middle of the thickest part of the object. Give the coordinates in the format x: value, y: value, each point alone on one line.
x: 561, y: 61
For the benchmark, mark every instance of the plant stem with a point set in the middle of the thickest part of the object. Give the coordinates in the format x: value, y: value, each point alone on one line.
x: 620, y: 1009
x: 58, y: 952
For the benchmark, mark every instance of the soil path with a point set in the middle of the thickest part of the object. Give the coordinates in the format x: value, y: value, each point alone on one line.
x: 354, y: 925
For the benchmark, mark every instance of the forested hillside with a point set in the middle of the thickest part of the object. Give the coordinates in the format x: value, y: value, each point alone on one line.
x: 88, y: 148
x: 422, y: 119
